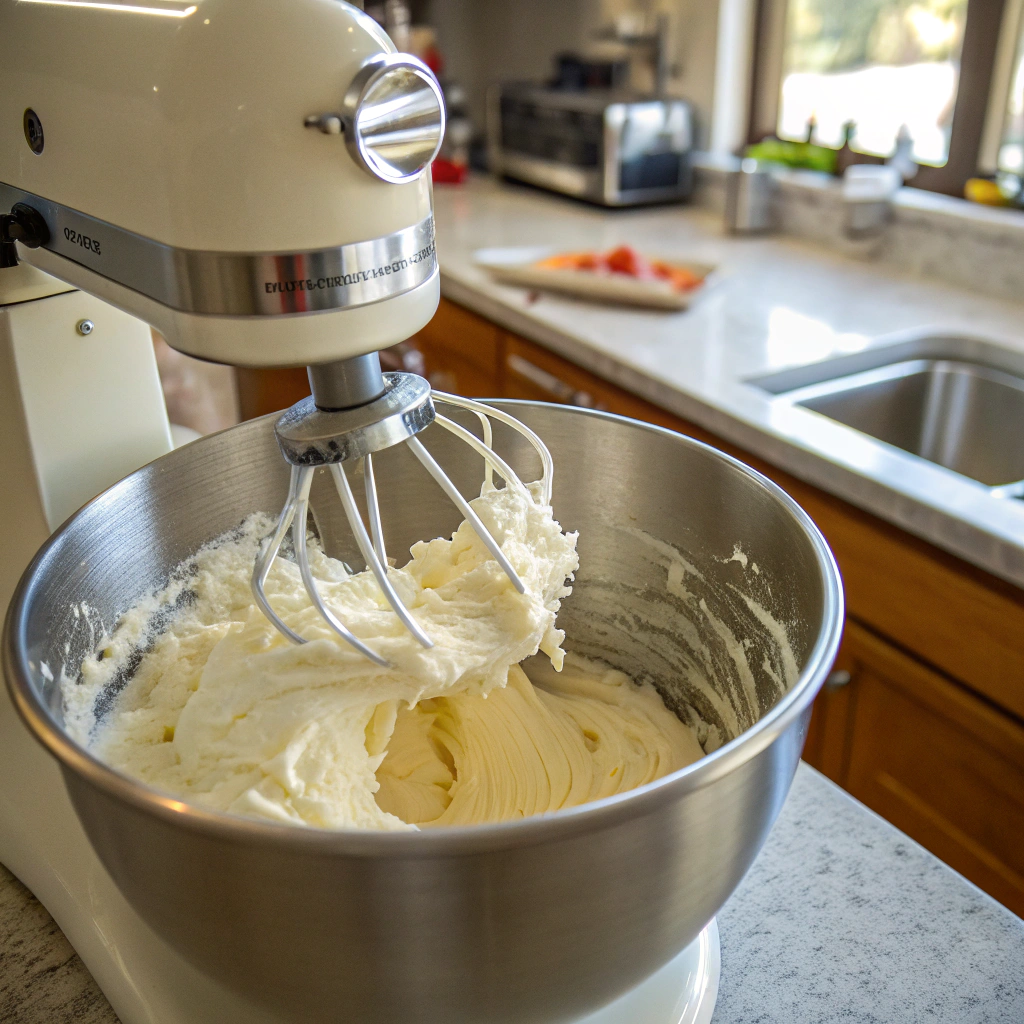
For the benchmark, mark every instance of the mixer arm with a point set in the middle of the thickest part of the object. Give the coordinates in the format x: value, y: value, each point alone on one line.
x: 249, y: 178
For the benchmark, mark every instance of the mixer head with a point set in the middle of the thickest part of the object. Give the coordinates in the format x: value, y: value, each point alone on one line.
x: 249, y: 178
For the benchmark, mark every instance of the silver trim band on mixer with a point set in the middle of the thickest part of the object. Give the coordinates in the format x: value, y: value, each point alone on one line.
x: 236, y: 283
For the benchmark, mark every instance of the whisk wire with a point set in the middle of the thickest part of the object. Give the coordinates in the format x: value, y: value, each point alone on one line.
x: 302, y: 558
x: 547, y: 465
x: 373, y: 510
x: 490, y: 457
x: 465, y: 508
x: 295, y: 515
x: 266, y: 557
x: 370, y: 555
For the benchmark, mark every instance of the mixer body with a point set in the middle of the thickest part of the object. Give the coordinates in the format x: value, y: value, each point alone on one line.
x: 538, y: 920
x: 249, y: 178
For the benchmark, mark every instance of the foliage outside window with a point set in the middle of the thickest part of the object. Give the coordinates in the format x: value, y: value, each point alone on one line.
x: 879, y: 63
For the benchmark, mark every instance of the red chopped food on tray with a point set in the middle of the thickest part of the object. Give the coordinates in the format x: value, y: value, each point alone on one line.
x: 624, y: 259
x: 681, y: 278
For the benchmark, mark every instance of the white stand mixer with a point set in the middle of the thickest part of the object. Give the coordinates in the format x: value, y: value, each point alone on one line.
x: 248, y: 178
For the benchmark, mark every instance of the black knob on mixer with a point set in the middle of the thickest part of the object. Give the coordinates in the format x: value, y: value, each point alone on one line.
x: 26, y: 225
x: 23, y: 224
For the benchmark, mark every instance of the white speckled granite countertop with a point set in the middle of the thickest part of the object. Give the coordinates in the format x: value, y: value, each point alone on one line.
x: 778, y: 303
x: 841, y: 919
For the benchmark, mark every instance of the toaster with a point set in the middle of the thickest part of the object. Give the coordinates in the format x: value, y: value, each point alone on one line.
x: 609, y: 147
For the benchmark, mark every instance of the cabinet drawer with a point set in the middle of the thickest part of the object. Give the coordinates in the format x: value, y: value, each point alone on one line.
x: 938, y: 763
x: 532, y: 372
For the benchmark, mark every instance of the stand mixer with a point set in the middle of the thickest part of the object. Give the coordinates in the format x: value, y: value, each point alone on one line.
x: 250, y: 179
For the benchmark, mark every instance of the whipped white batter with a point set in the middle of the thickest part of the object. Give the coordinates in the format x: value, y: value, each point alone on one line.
x: 225, y: 712
x: 553, y: 740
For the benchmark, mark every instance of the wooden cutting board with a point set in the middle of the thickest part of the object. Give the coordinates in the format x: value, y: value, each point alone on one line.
x: 519, y: 266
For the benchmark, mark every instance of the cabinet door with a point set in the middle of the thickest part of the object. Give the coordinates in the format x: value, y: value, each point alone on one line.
x: 828, y: 738
x: 937, y: 762
x: 262, y: 390
x: 460, y: 352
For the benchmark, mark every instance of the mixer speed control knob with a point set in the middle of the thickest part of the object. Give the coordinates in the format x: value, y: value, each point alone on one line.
x: 392, y: 117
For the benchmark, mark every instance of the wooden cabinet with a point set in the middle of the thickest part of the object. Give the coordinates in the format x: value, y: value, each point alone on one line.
x: 938, y: 762
x: 264, y: 391
x: 461, y: 352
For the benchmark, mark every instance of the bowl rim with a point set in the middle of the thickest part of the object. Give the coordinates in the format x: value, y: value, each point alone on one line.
x: 444, y: 840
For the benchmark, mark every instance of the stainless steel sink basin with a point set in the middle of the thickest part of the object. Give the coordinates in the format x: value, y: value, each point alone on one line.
x: 966, y: 414
x: 965, y: 417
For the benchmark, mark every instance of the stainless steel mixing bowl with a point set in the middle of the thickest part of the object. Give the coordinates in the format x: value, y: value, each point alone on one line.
x: 536, y: 920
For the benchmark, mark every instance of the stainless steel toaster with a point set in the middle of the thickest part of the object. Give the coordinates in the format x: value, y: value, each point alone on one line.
x: 609, y: 147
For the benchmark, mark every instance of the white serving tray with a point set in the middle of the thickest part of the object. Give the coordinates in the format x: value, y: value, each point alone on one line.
x: 517, y: 266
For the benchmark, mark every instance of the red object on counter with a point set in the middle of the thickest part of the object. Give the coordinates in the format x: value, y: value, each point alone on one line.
x: 433, y: 59
x: 626, y: 260
x: 447, y: 172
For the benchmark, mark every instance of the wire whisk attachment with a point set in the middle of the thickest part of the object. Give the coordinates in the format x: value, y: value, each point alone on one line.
x: 312, y: 437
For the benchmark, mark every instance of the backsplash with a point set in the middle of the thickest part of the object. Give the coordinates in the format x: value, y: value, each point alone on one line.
x: 931, y: 235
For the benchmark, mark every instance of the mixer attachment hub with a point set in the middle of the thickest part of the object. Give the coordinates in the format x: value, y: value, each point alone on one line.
x: 312, y: 436
x: 346, y: 383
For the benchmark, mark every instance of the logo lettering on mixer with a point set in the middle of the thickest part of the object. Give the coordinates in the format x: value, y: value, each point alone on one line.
x: 77, y: 238
x: 313, y: 284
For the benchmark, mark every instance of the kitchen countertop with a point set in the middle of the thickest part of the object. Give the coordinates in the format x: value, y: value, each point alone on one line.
x: 777, y: 303
x: 841, y: 919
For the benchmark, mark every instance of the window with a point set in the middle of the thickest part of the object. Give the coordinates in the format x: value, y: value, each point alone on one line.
x: 878, y: 63
x: 926, y: 64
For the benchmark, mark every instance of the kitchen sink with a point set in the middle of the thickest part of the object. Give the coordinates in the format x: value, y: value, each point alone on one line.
x: 924, y: 396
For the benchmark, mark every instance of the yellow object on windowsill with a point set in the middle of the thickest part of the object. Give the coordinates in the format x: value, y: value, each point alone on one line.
x: 986, y: 192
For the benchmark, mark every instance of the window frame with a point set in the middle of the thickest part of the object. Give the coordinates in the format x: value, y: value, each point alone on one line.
x: 1011, y: 44
x: 972, y: 112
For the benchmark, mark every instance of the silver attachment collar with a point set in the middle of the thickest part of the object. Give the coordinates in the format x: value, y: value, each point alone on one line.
x: 309, y: 436
x: 239, y: 283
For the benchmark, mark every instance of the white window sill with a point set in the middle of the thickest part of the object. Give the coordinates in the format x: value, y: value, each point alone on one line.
x: 913, y: 200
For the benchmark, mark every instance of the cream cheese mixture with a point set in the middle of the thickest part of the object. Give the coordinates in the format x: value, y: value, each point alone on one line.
x: 226, y: 713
